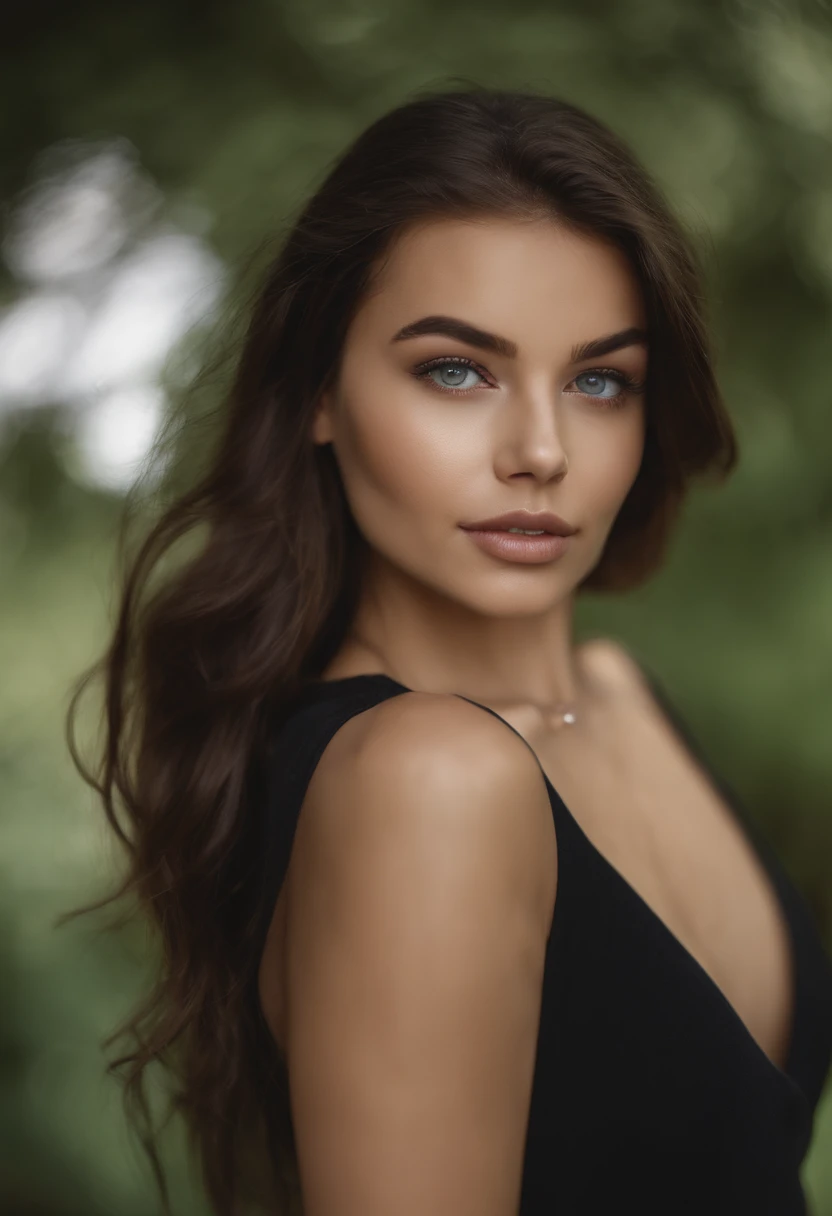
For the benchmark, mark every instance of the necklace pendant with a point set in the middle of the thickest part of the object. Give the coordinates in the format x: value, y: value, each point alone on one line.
x: 565, y: 716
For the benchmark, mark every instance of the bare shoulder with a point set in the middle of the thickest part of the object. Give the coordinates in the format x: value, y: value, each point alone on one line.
x: 450, y: 733
x: 446, y: 725
x: 433, y: 767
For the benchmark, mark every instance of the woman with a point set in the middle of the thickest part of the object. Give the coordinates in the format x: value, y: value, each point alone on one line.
x: 455, y: 919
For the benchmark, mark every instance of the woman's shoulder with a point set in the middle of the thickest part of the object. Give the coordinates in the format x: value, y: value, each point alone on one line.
x: 438, y: 740
x: 421, y: 770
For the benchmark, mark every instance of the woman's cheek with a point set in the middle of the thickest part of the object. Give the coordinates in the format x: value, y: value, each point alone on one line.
x: 616, y: 467
x: 415, y: 450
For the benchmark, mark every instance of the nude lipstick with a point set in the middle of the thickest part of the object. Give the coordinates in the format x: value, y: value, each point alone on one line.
x: 493, y: 536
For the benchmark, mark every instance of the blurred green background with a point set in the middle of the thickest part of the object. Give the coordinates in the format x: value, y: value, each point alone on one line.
x: 147, y: 150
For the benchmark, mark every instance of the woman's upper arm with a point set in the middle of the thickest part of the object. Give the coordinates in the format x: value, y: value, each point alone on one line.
x: 419, y: 908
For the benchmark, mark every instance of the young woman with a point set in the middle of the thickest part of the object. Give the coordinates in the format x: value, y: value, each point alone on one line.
x: 455, y: 919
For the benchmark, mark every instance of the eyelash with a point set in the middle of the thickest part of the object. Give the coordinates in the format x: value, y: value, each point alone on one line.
x: 629, y: 387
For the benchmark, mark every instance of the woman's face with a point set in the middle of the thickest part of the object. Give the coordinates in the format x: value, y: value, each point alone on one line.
x: 439, y: 429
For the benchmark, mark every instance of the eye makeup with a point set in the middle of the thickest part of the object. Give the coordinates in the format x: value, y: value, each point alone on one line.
x: 628, y: 386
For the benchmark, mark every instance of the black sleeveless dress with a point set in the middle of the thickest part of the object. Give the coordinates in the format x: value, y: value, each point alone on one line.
x: 649, y: 1093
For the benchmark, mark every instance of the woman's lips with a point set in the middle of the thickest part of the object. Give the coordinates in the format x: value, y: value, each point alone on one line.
x: 529, y: 521
x: 515, y: 547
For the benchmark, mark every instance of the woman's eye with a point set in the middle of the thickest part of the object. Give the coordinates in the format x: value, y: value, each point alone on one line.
x: 597, y: 383
x: 460, y: 375
x: 453, y: 374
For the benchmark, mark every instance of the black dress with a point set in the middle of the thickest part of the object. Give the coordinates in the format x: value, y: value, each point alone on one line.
x: 649, y: 1093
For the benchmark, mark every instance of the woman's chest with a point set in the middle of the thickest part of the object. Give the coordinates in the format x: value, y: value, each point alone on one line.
x: 647, y: 808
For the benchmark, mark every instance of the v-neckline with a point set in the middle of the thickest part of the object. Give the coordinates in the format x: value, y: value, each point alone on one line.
x: 670, y: 716
x: 692, y: 961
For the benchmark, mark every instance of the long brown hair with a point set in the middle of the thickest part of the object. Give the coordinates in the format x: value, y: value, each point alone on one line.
x: 200, y: 670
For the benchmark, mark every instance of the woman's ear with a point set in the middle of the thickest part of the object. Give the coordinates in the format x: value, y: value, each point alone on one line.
x: 321, y: 430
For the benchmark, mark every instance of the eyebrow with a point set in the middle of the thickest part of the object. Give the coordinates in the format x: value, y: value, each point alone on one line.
x: 452, y: 327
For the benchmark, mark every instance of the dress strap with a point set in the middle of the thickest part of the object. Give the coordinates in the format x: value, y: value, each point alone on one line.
x: 320, y: 711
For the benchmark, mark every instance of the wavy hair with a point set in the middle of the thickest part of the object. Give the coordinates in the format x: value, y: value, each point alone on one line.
x: 201, y: 665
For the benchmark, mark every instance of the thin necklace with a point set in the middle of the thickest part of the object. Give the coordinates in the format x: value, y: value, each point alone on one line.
x: 567, y: 716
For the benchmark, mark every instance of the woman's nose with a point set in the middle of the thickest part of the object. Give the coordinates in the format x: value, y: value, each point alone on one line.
x: 536, y: 439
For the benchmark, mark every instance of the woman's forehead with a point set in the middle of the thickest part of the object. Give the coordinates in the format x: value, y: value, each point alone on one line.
x: 506, y: 275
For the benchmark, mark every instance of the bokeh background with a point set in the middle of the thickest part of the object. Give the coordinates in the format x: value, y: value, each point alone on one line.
x: 149, y: 153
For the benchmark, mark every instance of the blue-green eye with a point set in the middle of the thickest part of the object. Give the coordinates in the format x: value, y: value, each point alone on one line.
x: 595, y: 384
x: 457, y: 374
x: 598, y: 379
x: 453, y: 374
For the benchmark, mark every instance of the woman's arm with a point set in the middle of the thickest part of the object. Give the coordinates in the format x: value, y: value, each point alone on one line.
x: 420, y: 899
